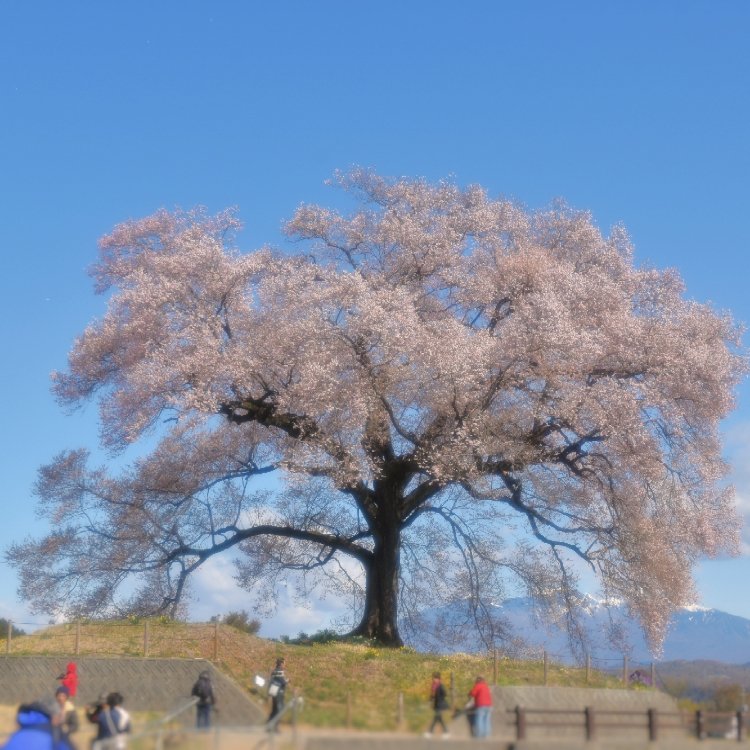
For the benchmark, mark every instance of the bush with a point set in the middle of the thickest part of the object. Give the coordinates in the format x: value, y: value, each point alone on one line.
x: 326, y: 636
x: 322, y: 636
x: 239, y: 620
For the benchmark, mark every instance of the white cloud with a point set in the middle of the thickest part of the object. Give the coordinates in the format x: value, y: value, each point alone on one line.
x: 215, y: 592
x: 214, y: 588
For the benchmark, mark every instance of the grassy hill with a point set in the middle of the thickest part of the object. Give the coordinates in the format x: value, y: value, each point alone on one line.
x: 343, y: 684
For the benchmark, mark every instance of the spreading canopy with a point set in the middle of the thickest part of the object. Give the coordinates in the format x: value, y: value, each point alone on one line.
x: 458, y: 397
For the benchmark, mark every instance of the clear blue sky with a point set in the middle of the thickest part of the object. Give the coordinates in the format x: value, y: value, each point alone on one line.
x: 638, y: 111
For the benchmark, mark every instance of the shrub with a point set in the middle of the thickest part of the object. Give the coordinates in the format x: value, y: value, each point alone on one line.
x: 240, y: 620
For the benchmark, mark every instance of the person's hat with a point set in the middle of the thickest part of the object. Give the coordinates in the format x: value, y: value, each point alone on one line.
x: 62, y: 689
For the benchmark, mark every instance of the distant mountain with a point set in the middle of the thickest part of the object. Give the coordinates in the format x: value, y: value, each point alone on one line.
x: 694, y: 633
x: 708, y: 634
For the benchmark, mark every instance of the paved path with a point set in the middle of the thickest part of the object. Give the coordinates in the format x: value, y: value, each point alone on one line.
x: 322, y: 740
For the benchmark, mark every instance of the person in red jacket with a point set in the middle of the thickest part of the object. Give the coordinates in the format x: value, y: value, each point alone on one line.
x: 69, y: 679
x: 482, y: 698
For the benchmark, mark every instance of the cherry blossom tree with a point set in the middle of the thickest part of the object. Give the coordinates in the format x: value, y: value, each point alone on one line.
x: 457, y: 398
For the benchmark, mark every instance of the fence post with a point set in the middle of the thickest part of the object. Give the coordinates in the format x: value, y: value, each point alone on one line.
x: 348, y: 710
x: 653, y: 728
x: 10, y: 631
x: 740, y: 725
x: 588, y: 668
x: 145, y: 638
x: 400, y: 717
x: 78, y: 637
x: 494, y: 666
x: 625, y: 671
x: 546, y: 665
x: 452, y: 689
x: 700, y: 730
x: 216, y: 640
x: 590, y: 724
x: 653, y: 676
x: 520, y: 723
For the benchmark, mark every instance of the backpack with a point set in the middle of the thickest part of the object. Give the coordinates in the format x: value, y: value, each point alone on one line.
x: 202, y: 690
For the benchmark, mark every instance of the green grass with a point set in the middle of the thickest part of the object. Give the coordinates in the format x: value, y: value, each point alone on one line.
x: 342, y: 684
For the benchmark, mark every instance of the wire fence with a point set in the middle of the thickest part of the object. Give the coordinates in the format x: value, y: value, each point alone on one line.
x: 168, y: 638
x: 129, y: 637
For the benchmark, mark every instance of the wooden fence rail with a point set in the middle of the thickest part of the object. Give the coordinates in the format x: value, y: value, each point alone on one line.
x: 702, y: 724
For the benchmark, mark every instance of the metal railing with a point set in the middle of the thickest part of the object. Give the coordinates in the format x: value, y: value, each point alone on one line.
x: 163, y: 732
x: 292, y: 708
x: 156, y: 730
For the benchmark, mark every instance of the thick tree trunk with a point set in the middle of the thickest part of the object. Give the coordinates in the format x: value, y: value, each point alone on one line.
x: 379, y: 620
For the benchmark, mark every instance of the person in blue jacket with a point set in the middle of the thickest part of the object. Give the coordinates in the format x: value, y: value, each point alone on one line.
x: 35, y: 731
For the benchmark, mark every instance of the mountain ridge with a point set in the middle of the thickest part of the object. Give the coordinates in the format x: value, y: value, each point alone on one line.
x: 693, y: 634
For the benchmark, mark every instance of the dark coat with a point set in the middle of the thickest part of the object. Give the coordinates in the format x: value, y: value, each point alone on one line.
x: 439, y: 698
x: 203, y: 690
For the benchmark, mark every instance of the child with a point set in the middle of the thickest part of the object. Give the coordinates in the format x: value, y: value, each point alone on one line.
x: 69, y: 679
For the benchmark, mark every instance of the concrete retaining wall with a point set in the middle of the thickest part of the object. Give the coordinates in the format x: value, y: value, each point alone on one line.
x: 147, y: 684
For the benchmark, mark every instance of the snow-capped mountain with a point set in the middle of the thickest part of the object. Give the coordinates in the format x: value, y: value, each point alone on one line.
x: 694, y: 633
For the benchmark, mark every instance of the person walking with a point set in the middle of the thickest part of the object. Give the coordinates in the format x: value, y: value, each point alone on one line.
x: 482, y: 698
x: 203, y: 690
x: 276, y: 690
x: 113, y: 722
x: 439, y: 701
x: 65, y: 721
